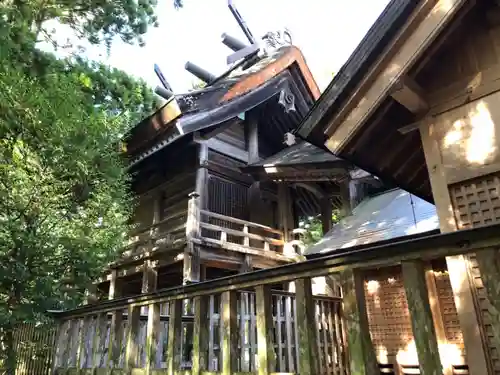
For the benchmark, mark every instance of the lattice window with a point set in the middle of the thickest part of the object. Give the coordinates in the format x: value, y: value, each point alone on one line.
x: 476, y: 202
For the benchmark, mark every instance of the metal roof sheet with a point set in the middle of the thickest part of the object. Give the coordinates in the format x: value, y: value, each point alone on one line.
x: 300, y: 153
x: 395, y: 213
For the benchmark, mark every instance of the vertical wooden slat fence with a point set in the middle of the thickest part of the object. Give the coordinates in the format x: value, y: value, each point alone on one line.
x: 34, y: 347
x: 227, y: 323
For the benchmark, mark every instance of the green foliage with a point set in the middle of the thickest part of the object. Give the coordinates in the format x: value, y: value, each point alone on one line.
x: 63, y: 188
x: 313, y: 227
x: 64, y: 198
x: 95, y: 20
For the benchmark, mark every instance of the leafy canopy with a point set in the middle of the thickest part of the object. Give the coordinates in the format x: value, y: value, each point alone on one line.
x: 64, y: 197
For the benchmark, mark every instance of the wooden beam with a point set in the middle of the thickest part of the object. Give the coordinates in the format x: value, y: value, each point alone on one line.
x: 409, y: 94
x: 362, y: 357
x: 225, y: 149
x: 422, y: 323
x: 216, y: 131
x: 396, y: 67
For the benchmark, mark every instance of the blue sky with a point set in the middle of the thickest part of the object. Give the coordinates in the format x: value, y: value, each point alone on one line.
x: 326, y: 31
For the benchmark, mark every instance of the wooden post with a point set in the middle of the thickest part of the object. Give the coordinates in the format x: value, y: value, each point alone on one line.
x: 308, y: 363
x: 229, y: 325
x: 132, y: 348
x: 115, y: 286
x: 489, y: 266
x: 326, y: 214
x: 457, y: 265
x: 99, y: 341
x: 191, y: 254
x: 200, y: 335
x: 362, y: 357
x: 149, y: 280
x: 345, y: 197
x: 174, y: 337
x: 152, y: 336
x: 115, y: 338
x: 253, y: 138
x: 285, y: 211
x: 437, y: 314
x: 421, y: 318
x: 265, y: 347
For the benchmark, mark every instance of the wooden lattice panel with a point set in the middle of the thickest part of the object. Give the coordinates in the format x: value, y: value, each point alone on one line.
x: 451, y: 323
x: 388, y: 314
x: 476, y: 202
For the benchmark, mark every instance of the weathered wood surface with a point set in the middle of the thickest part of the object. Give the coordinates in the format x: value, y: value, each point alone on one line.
x: 422, y: 323
x: 244, y: 332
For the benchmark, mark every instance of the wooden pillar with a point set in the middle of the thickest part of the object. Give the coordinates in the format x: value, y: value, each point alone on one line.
x: 489, y: 265
x: 308, y: 363
x: 115, y: 286
x: 202, y: 176
x: 345, y: 198
x: 191, y: 254
x: 200, y: 335
x: 362, y: 357
x: 116, y: 327
x: 265, y: 346
x: 326, y: 214
x: 253, y: 138
x: 422, y: 322
x: 229, y: 325
x: 457, y: 265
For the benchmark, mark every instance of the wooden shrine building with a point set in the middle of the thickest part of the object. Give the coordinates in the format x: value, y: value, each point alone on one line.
x: 209, y: 206
x: 417, y: 105
x: 405, y: 293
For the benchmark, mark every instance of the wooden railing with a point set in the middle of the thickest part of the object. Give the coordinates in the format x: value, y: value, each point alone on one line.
x: 189, y: 223
x: 160, y: 339
x: 250, y: 341
x: 232, y: 231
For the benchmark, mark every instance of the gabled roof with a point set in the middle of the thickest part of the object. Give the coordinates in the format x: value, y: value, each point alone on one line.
x: 390, y: 215
x: 361, y: 116
x: 348, y: 77
x: 227, y: 97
